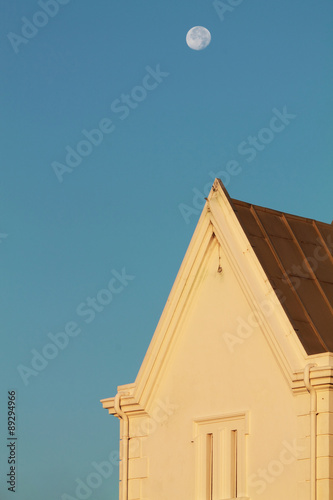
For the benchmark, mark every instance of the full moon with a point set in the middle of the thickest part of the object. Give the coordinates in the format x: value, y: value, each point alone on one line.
x: 198, y: 38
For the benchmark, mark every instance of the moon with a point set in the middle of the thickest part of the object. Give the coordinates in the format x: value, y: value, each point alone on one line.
x: 198, y: 38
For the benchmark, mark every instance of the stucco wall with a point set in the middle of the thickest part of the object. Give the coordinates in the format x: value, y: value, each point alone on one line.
x: 219, y: 363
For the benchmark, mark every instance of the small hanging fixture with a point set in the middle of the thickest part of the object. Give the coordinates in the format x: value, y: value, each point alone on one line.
x: 219, y: 269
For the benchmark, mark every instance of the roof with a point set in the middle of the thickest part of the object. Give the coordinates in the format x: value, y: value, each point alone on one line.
x: 297, y: 256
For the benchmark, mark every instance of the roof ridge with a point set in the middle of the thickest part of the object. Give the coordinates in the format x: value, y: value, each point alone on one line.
x: 279, y: 212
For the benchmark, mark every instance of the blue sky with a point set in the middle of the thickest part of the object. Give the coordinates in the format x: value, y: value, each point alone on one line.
x: 124, y: 215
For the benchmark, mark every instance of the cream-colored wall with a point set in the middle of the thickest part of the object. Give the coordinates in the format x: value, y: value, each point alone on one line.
x: 325, y: 444
x: 324, y: 448
x: 205, y: 375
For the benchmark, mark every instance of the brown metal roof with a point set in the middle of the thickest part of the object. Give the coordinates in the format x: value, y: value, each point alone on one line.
x: 297, y: 256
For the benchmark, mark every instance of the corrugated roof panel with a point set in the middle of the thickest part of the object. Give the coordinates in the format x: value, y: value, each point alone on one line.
x: 316, y: 307
x: 328, y: 289
x: 317, y: 261
x: 290, y: 256
x: 326, y: 232
x: 308, y: 338
x: 246, y: 217
x: 296, y: 255
x: 317, y: 256
x: 288, y: 298
x: 263, y: 252
x: 273, y: 224
x: 304, y: 230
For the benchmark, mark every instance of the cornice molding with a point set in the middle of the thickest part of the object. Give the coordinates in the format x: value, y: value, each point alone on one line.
x: 321, y: 377
x: 129, y: 403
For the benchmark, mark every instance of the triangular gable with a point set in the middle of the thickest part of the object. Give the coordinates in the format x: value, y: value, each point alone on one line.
x: 218, y: 223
